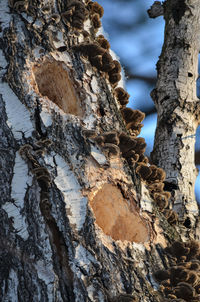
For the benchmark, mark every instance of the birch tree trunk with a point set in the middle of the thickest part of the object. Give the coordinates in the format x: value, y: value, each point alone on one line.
x: 81, y: 215
x: 178, y: 106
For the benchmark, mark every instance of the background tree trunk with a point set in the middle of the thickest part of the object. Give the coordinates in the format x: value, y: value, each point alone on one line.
x: 77, y: 222
x: 178, y: 106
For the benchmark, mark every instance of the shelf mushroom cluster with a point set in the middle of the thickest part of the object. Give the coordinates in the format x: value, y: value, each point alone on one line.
x: 181, y: 281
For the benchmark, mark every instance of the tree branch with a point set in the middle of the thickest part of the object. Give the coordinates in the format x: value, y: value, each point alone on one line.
x: 148, y: 79
x: 155, y: 10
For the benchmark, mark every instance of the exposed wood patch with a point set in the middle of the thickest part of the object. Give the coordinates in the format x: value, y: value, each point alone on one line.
x: 54, y: 81
x: 117, y: 217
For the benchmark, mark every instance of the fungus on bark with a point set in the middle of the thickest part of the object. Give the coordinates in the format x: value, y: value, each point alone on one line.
x: 99, y: 140
x: 75, y: 14
x: 161, y: 200
x: 131, y: 115
x: 143, y: 159
x: 111, y: 137
x: 143, y: 170
x: 96, y: 22
x: 45, y: 208
x: 20, y: 6
x: 181, y: 281
x: 161, y: 275
x: 171, y: 216
x: 25, y: 151
x: 114, y: 74
x: 89, y: 133
x: 95, y: 8
x: 185, y: 291
x: 122, y: 96
x: 111, y: 149
x: 44, y: 143
x: 97, y: 55
x: 126, y: 143
x: 103, y: 42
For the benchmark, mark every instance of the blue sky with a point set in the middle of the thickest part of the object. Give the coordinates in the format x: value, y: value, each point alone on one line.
x: 138, y: 45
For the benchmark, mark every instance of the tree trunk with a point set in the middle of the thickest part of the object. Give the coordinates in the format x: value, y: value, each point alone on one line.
x: 178, y: 106
x: 78, y: 219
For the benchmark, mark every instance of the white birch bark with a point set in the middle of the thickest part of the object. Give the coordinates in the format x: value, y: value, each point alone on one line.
x: 178, y: 106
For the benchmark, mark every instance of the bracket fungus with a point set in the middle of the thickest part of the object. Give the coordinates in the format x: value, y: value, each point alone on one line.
x: 122, y: 96
x: 181, y: 282
x: 133, y: 119
x: 100, y: 58
x: 111, y: 150
x: 96, y: 21
x: 95, y: 8
x: 103, y: 42
x: 75, y: 14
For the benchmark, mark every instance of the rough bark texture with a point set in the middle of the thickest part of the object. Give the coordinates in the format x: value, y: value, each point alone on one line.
x: 77, y: 223
x: 178, y: 106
